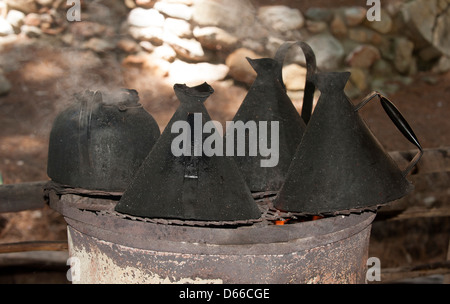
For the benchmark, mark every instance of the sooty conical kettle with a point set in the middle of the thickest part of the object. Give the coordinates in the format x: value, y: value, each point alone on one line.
x: 340, y: 166
x: 100, y: 141
x: 179, y: 180
x: 275, y: 121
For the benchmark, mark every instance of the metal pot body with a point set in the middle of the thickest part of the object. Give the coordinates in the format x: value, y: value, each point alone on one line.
x: 96, y: 145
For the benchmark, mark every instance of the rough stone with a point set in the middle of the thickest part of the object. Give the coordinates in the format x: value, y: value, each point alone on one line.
x: 351, y: 91
x: 128, y: 45
x: 32, y: 19
x: 141, y: 17
x: 363, y: 56
x: 281, y: 18
x: 338, y: 27
x: 403, y: 50
x: 147, y: 46
x: 215, y: 38
x: 157, y: 66
x: 429, y: 21
x: 441, y: 37
x: 5, y: 28
x: 319, y: 14
x: 230, y: 15
x: 99, y: 45
x: 394, y: 8
x: 152, y: 34
x: 294, y: 77
x: 145, y: 3
x: 130, y: 4
x: 443, y: 65
x: 67, y: 38
x: 134, y: 59
x: 196, y: 73
x: 382, y: 68
x: 364, y: 35
x: 354, y: 15
x: 387, y: 49
x: 88, y: 29
x: 165, y: 52
x: 45, y: 2
x: 384, y: 26
x: 316, y: 27
x: 359, y: 78
x: 148, y: 62
x: 175, y: 10
x: 272, y: 44
x: 329, y: 51
x: 26, y: 6
x: 31, y: 31
x: 188, y: 49
x: 15, y: 18
x: 5, y: 85
x: 179, y: 27
x: 239, y: 67
x: 186, y: 2
x: 384, y: 86
x: 256, y: 46
x: 429, y: 53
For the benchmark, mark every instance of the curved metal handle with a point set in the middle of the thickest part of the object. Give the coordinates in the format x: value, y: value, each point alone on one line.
x: 311, y: 67
x: 401, y: 124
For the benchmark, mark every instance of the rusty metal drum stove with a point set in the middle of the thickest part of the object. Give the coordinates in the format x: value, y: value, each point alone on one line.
x: 114, y: 248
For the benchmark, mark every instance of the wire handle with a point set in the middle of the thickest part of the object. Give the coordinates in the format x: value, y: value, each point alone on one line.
x: 311, y: 68
x: 400, y: 122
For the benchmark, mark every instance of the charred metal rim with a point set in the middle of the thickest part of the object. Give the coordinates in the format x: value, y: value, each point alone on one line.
x: 97, y: 195
x: 202, y: 90
x: 62, y: 189
x: 264, y: 200
x: 260, y: 238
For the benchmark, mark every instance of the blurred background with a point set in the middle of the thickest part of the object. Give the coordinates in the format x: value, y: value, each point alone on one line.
x: 149, y: 45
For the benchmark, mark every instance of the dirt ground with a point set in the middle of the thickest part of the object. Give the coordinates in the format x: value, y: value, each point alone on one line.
x: 45, y: 74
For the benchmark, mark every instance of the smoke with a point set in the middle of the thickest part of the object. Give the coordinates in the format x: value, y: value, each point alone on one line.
x: 84, y: 70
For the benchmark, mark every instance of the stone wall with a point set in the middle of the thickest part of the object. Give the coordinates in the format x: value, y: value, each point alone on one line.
x: 410, y: 37
x: 192, y: 41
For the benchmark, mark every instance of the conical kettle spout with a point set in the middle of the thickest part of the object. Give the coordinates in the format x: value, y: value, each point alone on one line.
x: 331, y: 82
x: 197, y: 93
x: 267, y: 68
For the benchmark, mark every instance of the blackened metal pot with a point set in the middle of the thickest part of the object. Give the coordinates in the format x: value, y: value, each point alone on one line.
x: 99, y: 143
